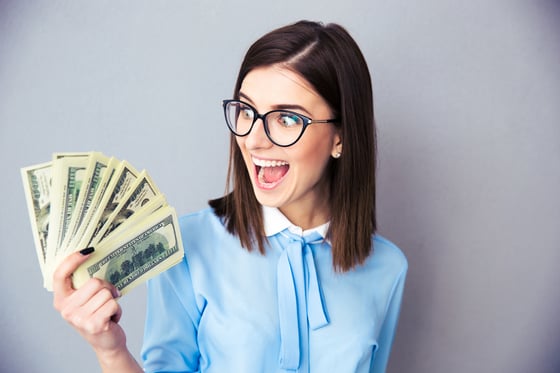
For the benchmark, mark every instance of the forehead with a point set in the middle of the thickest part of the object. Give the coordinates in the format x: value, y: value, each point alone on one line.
x: 277, y: 84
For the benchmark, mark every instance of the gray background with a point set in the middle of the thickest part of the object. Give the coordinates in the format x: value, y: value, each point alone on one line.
x: 467, y: 100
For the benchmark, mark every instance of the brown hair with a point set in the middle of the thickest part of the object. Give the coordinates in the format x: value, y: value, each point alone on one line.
x: 331, y: 61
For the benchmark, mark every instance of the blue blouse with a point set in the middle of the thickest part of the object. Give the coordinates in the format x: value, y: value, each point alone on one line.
x: 224, y: 309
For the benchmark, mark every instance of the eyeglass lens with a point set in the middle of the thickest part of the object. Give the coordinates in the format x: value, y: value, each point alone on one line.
x: 282, y: 127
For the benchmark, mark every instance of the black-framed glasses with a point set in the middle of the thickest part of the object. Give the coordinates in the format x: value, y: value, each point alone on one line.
x: 282, y: 127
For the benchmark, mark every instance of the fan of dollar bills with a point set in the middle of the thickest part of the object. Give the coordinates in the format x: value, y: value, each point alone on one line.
x: 80, y: 200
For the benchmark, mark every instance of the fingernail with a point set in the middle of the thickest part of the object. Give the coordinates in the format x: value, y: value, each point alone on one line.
x: 87, y: 251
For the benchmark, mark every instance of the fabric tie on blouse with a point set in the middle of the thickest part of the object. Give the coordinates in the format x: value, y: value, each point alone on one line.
x: 300, y: 304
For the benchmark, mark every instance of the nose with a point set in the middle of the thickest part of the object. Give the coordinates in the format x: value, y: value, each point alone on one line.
x: 257, y: 138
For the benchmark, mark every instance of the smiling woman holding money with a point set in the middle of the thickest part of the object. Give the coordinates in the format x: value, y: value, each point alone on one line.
x: 286, y: 272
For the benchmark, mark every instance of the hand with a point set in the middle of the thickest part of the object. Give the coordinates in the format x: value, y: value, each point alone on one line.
x: 92, y: 309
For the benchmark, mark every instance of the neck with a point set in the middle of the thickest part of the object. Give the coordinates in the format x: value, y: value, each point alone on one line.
x: 308, y: 214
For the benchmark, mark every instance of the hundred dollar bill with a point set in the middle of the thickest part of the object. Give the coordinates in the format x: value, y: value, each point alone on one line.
x: 68, y: 174
x: 148, y: 208
x: 123, y: 179
x: 99, y: 172
x: 59, y: 155
x: 139, y: 194
x: 37, y: 188
x: 136, y: 254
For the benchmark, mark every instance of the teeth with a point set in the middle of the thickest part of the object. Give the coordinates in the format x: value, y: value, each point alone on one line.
x: 268, y: 163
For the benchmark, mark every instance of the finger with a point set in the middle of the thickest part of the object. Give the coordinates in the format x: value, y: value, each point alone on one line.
x: 88, y: 290
x: 101, y: 320
x: 98, y: 300
x: 79, y: 306
x: 62, y: 277
x: 112, y: 310
x: 117, y: 315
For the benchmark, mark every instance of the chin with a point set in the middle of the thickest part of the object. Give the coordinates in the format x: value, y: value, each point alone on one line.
x: 268, y: 198
x: 267, y: 201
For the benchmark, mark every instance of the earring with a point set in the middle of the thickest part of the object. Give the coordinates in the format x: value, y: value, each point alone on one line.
x: 337, y: 155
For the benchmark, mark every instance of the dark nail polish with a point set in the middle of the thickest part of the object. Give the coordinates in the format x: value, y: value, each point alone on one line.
x: 87, y: 250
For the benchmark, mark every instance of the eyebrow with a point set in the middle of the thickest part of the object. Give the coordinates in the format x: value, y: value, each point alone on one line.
x: 277, y: 106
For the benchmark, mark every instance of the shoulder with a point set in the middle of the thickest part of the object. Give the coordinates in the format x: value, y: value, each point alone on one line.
x: 202, y: 223
x: 204, y: 235
x: 205, y: 216
x: 387, y: 263
x: 389, y: 253
x: 204, y: 230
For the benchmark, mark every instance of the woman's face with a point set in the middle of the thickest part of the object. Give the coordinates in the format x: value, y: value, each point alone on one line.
x: 290, y: 178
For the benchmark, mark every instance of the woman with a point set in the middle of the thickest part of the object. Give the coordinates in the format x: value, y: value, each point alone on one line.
x: 285, y: 272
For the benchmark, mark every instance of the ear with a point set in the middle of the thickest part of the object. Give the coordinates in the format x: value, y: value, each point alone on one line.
x: 337, y: 145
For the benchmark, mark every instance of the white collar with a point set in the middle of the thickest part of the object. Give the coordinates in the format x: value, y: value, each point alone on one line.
x: 275, y: 222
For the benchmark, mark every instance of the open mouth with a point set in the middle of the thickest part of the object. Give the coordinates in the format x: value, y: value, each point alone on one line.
x: 270, y: 172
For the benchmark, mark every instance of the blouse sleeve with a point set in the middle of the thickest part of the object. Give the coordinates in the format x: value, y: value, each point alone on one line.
x: 387, y: 334
x: 172, y: 318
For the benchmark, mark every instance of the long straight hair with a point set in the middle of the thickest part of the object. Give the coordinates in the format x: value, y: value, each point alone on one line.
x: 331, y: 61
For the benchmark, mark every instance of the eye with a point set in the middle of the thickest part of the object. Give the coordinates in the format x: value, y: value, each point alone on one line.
x: 246, y: 112
x: 288, y: 119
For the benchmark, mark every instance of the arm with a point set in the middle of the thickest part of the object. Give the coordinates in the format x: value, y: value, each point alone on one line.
x: 172, y: 318
x: 387, y: 333
x: 94, y: 312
